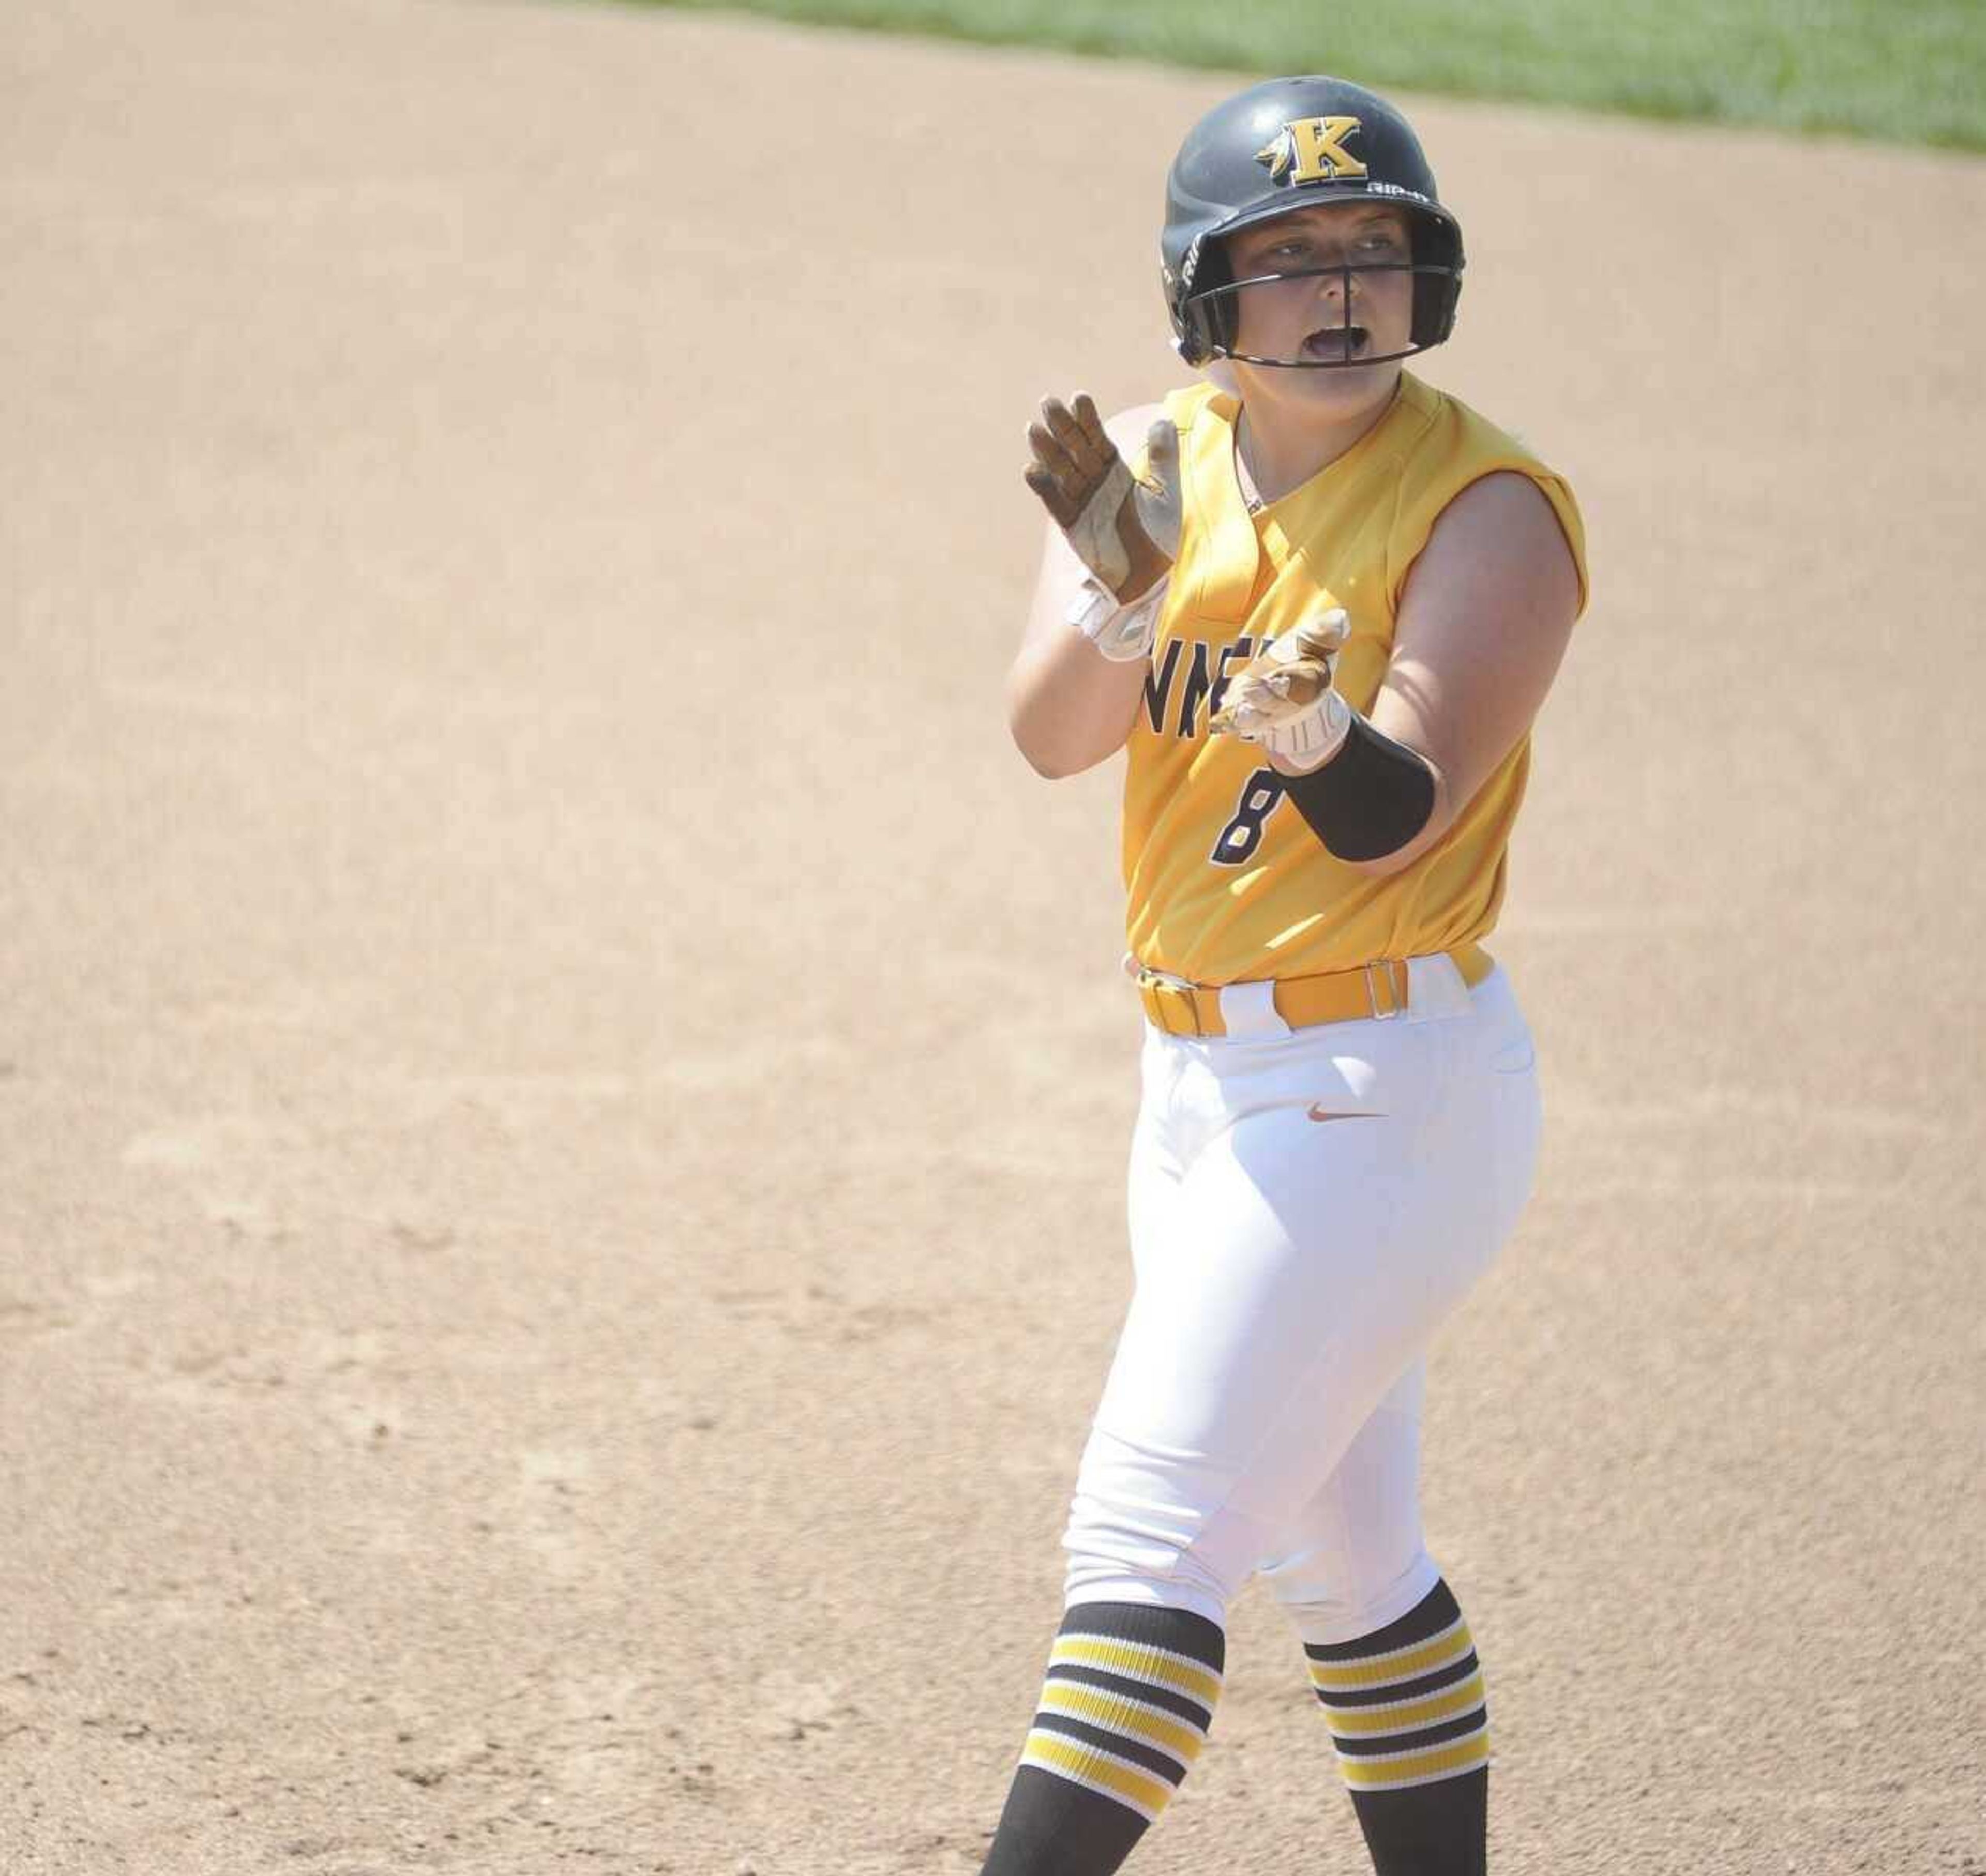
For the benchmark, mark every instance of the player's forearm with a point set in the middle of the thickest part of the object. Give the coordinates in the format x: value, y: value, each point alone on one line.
x: 1375, y: 812
x: 1069, y: 707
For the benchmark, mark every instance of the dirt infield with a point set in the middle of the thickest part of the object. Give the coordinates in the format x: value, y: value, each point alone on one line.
x: 560, y: 1168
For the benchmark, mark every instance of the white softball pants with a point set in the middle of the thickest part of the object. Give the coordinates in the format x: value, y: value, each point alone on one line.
x: 1306, y: 1206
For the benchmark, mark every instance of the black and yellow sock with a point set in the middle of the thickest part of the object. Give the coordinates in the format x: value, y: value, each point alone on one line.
x: 1407, y: 1712
x: 1130, y: 1692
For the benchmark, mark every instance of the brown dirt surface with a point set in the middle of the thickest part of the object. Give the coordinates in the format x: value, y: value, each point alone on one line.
x: 563, y: 1089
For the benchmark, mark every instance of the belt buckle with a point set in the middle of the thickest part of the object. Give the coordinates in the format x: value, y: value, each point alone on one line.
x: 1173, y: 990
x: 1398, y: 1003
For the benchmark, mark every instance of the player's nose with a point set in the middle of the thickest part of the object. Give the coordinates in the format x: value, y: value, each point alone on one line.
x: 1337, y: 283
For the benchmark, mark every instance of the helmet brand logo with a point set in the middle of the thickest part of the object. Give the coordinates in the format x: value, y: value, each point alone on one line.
x: 1311, y: 150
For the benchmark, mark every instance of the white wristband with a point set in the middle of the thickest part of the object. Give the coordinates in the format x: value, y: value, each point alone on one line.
x: 1309, y: 740
x: 1121, y: 633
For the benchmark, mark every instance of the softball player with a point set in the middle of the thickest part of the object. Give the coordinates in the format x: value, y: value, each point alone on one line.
x: 1319, y: 616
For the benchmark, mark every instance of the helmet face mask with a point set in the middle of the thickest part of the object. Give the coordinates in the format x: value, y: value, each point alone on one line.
x: 1215, y: 311
x: 1284, y: 145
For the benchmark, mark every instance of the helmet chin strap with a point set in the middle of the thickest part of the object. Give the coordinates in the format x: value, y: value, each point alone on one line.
x: 1217, y: 365
x: 1318, y: 365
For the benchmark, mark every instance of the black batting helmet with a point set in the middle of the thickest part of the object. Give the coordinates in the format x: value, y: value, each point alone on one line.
x: 1284, y: 145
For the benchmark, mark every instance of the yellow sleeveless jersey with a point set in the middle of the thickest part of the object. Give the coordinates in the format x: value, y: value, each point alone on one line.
x: 1227, y: 882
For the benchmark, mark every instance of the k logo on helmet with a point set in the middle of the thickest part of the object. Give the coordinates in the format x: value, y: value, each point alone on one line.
x: 1311, y: 150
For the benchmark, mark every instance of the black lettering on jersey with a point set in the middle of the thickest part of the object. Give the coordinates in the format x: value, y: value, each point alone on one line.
x: 1241, y: 650
x: 1197, y: 685
x: 1158, y: 686
x: 1242, y: 836
x: 1206, y: 682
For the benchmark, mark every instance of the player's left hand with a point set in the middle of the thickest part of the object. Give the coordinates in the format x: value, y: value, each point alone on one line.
x: 1282, y: 698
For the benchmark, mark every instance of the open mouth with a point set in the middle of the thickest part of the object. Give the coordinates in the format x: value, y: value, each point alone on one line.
x: 1336, y: 344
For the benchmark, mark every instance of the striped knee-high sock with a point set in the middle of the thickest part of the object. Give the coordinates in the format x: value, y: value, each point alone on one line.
x: 1129, y: 1694
x: 1405, y: 1707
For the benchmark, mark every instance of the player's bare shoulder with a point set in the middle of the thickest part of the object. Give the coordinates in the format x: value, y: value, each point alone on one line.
x: 1130, y: 427
x: 1499, y: 578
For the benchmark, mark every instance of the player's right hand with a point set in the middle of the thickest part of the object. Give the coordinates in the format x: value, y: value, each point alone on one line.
x: 1126, y: 530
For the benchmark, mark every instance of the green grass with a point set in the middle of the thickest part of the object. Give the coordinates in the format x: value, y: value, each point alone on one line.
x: 1898, y: 71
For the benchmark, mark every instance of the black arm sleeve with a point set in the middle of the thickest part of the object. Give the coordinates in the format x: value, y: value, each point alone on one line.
x: 1370, y: 799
